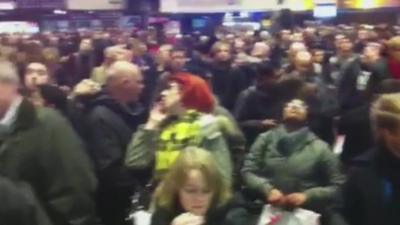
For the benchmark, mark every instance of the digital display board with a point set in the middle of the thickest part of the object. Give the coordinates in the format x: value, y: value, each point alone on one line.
x: 368, y: 4
x: 29, y: 4
x: 19, y: 27
x: 210, y: 6
x: 325, y: 11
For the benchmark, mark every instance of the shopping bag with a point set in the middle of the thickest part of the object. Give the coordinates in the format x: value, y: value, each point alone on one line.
x: 276, y: 216
x: 140, y: 218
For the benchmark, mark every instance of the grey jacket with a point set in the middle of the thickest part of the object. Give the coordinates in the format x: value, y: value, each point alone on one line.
x: 141, y: 150
x: 293, y: 162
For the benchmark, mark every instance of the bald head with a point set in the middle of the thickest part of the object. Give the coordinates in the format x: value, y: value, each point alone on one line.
x: 260, y: 50
x: 303, y: 61
x: 303, y: 56
x: 121, y: 69
x: 295, y: 48
x: 124, y: 82
x: 264, y: 35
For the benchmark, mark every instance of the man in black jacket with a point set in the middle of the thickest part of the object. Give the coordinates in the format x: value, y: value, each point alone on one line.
x: 355, y: 124
x: 371, y: 195
x: 244, y: 76
x: 115, y: 117
x: 362, y: 77
x: 221, y: 69
x: 78, y: 66
x: 258, y: 108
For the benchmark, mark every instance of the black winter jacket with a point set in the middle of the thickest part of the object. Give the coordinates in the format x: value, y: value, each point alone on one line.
x: 372, y: 194
x: 111, y: 127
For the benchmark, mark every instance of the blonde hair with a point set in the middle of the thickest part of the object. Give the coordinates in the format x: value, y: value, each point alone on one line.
x: 192, y: 158
x: 385, y: 112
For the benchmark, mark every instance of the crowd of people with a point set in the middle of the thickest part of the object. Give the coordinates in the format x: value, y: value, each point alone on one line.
x: 200, y: 129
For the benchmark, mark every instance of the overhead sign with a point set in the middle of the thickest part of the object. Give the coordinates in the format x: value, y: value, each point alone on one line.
x: 95, y: 4
x: 19, y: 27
x: 369, y: 4
x: 7, y: 5
x: 29, y: 4
x: 210, y: 6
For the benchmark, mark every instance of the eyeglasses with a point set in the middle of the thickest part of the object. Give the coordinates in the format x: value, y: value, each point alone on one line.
x: 296, y: 105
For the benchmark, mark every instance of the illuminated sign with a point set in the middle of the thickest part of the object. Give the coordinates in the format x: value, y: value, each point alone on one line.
x: 27, y: 4
x: 209, y: 6
x: 369, y: 4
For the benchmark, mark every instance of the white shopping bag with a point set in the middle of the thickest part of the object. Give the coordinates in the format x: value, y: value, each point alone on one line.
x: 276, y: 216
x: 141, y: 218
x: 339, y: 144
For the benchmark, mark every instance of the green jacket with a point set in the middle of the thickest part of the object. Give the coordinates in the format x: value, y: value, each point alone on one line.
x: 141, y: 151
x: 293, y: 162
x: 42, y: 150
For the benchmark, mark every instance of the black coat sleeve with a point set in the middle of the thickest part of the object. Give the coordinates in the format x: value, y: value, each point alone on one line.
x: 349, y: 204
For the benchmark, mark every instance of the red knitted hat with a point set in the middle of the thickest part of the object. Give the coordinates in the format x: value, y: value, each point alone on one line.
x: 196, y: 93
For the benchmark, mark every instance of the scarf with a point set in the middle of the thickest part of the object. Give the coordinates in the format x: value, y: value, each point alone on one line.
x: 292, y: 141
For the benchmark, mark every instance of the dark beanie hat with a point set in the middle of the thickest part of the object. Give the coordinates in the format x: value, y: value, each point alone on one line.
x: 196, y: 93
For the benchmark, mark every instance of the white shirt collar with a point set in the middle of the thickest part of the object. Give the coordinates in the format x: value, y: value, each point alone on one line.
x: 11, y: 114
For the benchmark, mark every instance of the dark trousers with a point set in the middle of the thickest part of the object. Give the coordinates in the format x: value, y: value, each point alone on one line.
x: 113, y: 204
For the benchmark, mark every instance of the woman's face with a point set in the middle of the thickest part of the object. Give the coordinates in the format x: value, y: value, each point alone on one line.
x: 171, y: 98
x: 295, y: 111
x: 195, y: 196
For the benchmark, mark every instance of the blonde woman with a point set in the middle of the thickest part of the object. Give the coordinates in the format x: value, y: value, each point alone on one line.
x: 194, y: 193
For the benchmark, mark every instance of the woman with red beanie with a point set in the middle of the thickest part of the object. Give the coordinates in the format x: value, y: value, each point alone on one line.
x: 181, y: 119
